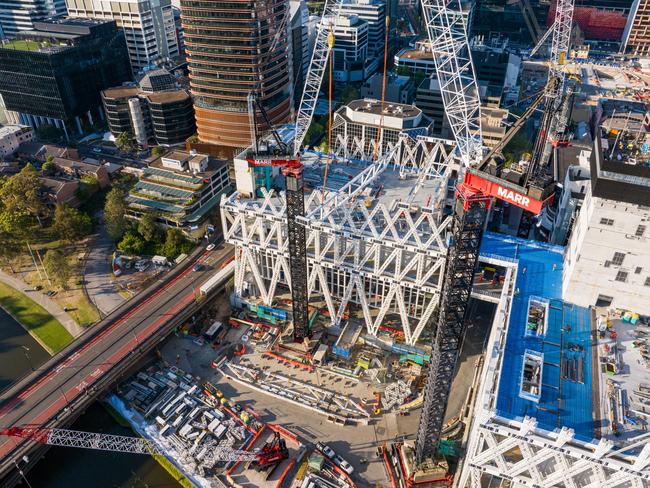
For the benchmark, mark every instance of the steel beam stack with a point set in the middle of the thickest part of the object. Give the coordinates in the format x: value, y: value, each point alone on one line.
x: 469, y: 220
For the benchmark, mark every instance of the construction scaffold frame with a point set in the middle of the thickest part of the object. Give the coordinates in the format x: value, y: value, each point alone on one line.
x: 388, y: 257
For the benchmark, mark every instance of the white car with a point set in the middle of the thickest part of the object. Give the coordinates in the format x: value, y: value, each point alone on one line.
x: 343, y: 464
x: 210, y: 247
x: 328, y: 451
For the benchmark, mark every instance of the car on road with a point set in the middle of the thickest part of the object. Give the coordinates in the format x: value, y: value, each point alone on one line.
x: 211, y: 247
x: 343, y: 464
x: 197, y: 267
x: 325, y: 449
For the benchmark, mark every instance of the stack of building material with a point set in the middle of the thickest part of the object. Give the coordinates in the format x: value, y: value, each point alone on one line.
x: 395, y: 394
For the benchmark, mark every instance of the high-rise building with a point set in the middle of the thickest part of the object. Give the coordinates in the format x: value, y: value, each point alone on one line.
x: 20, y: 15
x: 148, y: 27
x: 300, y: 49
x: 350, y: 52
x: 155, y: 110
x: 636, y: 38
x: 54, y: 74
x: 228, y: 46
x: 374, y: 13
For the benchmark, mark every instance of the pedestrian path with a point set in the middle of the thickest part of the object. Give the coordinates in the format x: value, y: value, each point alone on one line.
x: 44, y: 301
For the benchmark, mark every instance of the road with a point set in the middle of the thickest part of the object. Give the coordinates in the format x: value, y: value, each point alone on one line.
x: 98, y: 275
x: 50, y: 394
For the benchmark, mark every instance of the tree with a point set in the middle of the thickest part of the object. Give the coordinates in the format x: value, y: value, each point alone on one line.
x: 48, y: 168
x: 156, y: 151
x: 88, y: 186
x: 148, y: 228
x: 125, y: 143
x: 349, y: 93
x: 22, y: 193
x: 314, y: 133
x: 114, y: 213
x: 70, y: 224
x: 58, y: 268
x: 132, y: 243
x: 175, y: 243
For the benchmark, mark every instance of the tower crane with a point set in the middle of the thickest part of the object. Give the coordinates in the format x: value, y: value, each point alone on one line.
x: 271, y: 453
x: 474, y: 192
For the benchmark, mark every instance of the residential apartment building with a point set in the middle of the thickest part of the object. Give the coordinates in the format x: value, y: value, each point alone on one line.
x: 373, y: 12
x: 181, y: 188
x: 228, y: 52
x: 20, y: 15
x: 53, y: 75
x: 148, y: 27
x: 636, y: 37
x: 415, y: 60
x: 12, y: 136
x: 154, y: 111
x: 350, y: 52
x: 607, y: 260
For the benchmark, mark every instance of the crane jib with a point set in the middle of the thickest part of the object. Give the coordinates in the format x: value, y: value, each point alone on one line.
x: 502, y: 192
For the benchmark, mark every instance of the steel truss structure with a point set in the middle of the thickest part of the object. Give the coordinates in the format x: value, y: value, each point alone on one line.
x: 451, y: 55
x: 560, y: 44
x: 469, y: 220
x: 116, y: 443
x: 386, y: 258
x: 523, y: 454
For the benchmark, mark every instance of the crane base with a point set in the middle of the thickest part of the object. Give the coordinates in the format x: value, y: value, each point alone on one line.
x: 429, y: 474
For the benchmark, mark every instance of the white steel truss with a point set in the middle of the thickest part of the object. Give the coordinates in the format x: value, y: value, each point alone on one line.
x: 410, y: 155
x: 316, y: 70
x: 385, y: 258
x: 520, y: 453
x: 460, y: 95
x: 119, y: 443
x: 560, y: 44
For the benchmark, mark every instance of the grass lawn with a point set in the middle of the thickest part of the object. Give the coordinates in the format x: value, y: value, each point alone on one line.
x: 35, y: 318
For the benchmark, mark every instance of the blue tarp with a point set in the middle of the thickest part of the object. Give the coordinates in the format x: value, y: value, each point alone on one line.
x: 563, y: 402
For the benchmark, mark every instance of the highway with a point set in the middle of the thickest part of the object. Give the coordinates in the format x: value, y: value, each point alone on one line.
x: 49, y: 394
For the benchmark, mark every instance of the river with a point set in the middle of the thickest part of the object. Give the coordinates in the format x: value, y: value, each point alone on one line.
x: 64, y: 467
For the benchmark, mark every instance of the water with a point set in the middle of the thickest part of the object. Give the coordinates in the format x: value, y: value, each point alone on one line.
x: 65, y: 467
x: 15, y: 360
x: 68, y: 467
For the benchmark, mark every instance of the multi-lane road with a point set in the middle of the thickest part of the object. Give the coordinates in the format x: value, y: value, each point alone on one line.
x: 49, y: 394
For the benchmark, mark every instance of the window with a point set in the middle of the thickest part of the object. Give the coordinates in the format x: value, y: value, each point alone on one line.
x: 605, y: 301
x: 638, y: 270
x: 647, y: 281
x: 608, y: 263
x: 640, y: 231
x: 618, y: 258
x: 621, y: 276
x: 606, y: 221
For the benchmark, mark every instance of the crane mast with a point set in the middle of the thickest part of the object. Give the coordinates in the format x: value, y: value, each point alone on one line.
x: 454, y: 68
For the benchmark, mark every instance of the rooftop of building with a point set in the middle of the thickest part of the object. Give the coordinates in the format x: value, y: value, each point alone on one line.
x: 168, y: 96
x: 567, y: 340
x: 412, y: 53
x: 391, y: 109
x: 157, y: 80
x: 121, y: 92
x: 13, y: 129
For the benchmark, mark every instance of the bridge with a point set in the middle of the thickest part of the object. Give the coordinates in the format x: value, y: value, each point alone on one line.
x: 56, y: 393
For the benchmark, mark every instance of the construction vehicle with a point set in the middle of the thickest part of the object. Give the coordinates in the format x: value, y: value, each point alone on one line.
x: 271, y: 453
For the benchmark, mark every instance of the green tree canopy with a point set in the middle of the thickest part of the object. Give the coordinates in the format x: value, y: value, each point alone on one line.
x: 132, y: 243
x: 175, y: 243
x: 125, y: 142
x: 70, y: 224
x: 148, y: 228
x: 58, y: 268
x: 22, y: 193
x: 114, y: 213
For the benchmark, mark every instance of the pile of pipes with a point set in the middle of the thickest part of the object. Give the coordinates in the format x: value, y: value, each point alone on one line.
x: 395, y: 394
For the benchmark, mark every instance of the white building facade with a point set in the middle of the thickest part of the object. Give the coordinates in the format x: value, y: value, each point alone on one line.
x: 607, y: 260
x: 148, y: 26
x: 12, y: 136
x: 374, y: 13
x: 350, y: 50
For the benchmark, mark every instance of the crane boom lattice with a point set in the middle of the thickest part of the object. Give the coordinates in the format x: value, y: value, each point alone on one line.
x: 455, y: 71
x: 322, y: 48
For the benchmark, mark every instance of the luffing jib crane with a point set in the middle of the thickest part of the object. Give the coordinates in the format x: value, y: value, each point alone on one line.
x: 451, y: 54
x: 271, y: 453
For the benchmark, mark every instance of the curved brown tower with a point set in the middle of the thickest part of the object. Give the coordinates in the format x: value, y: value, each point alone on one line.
x: 227, y: 44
